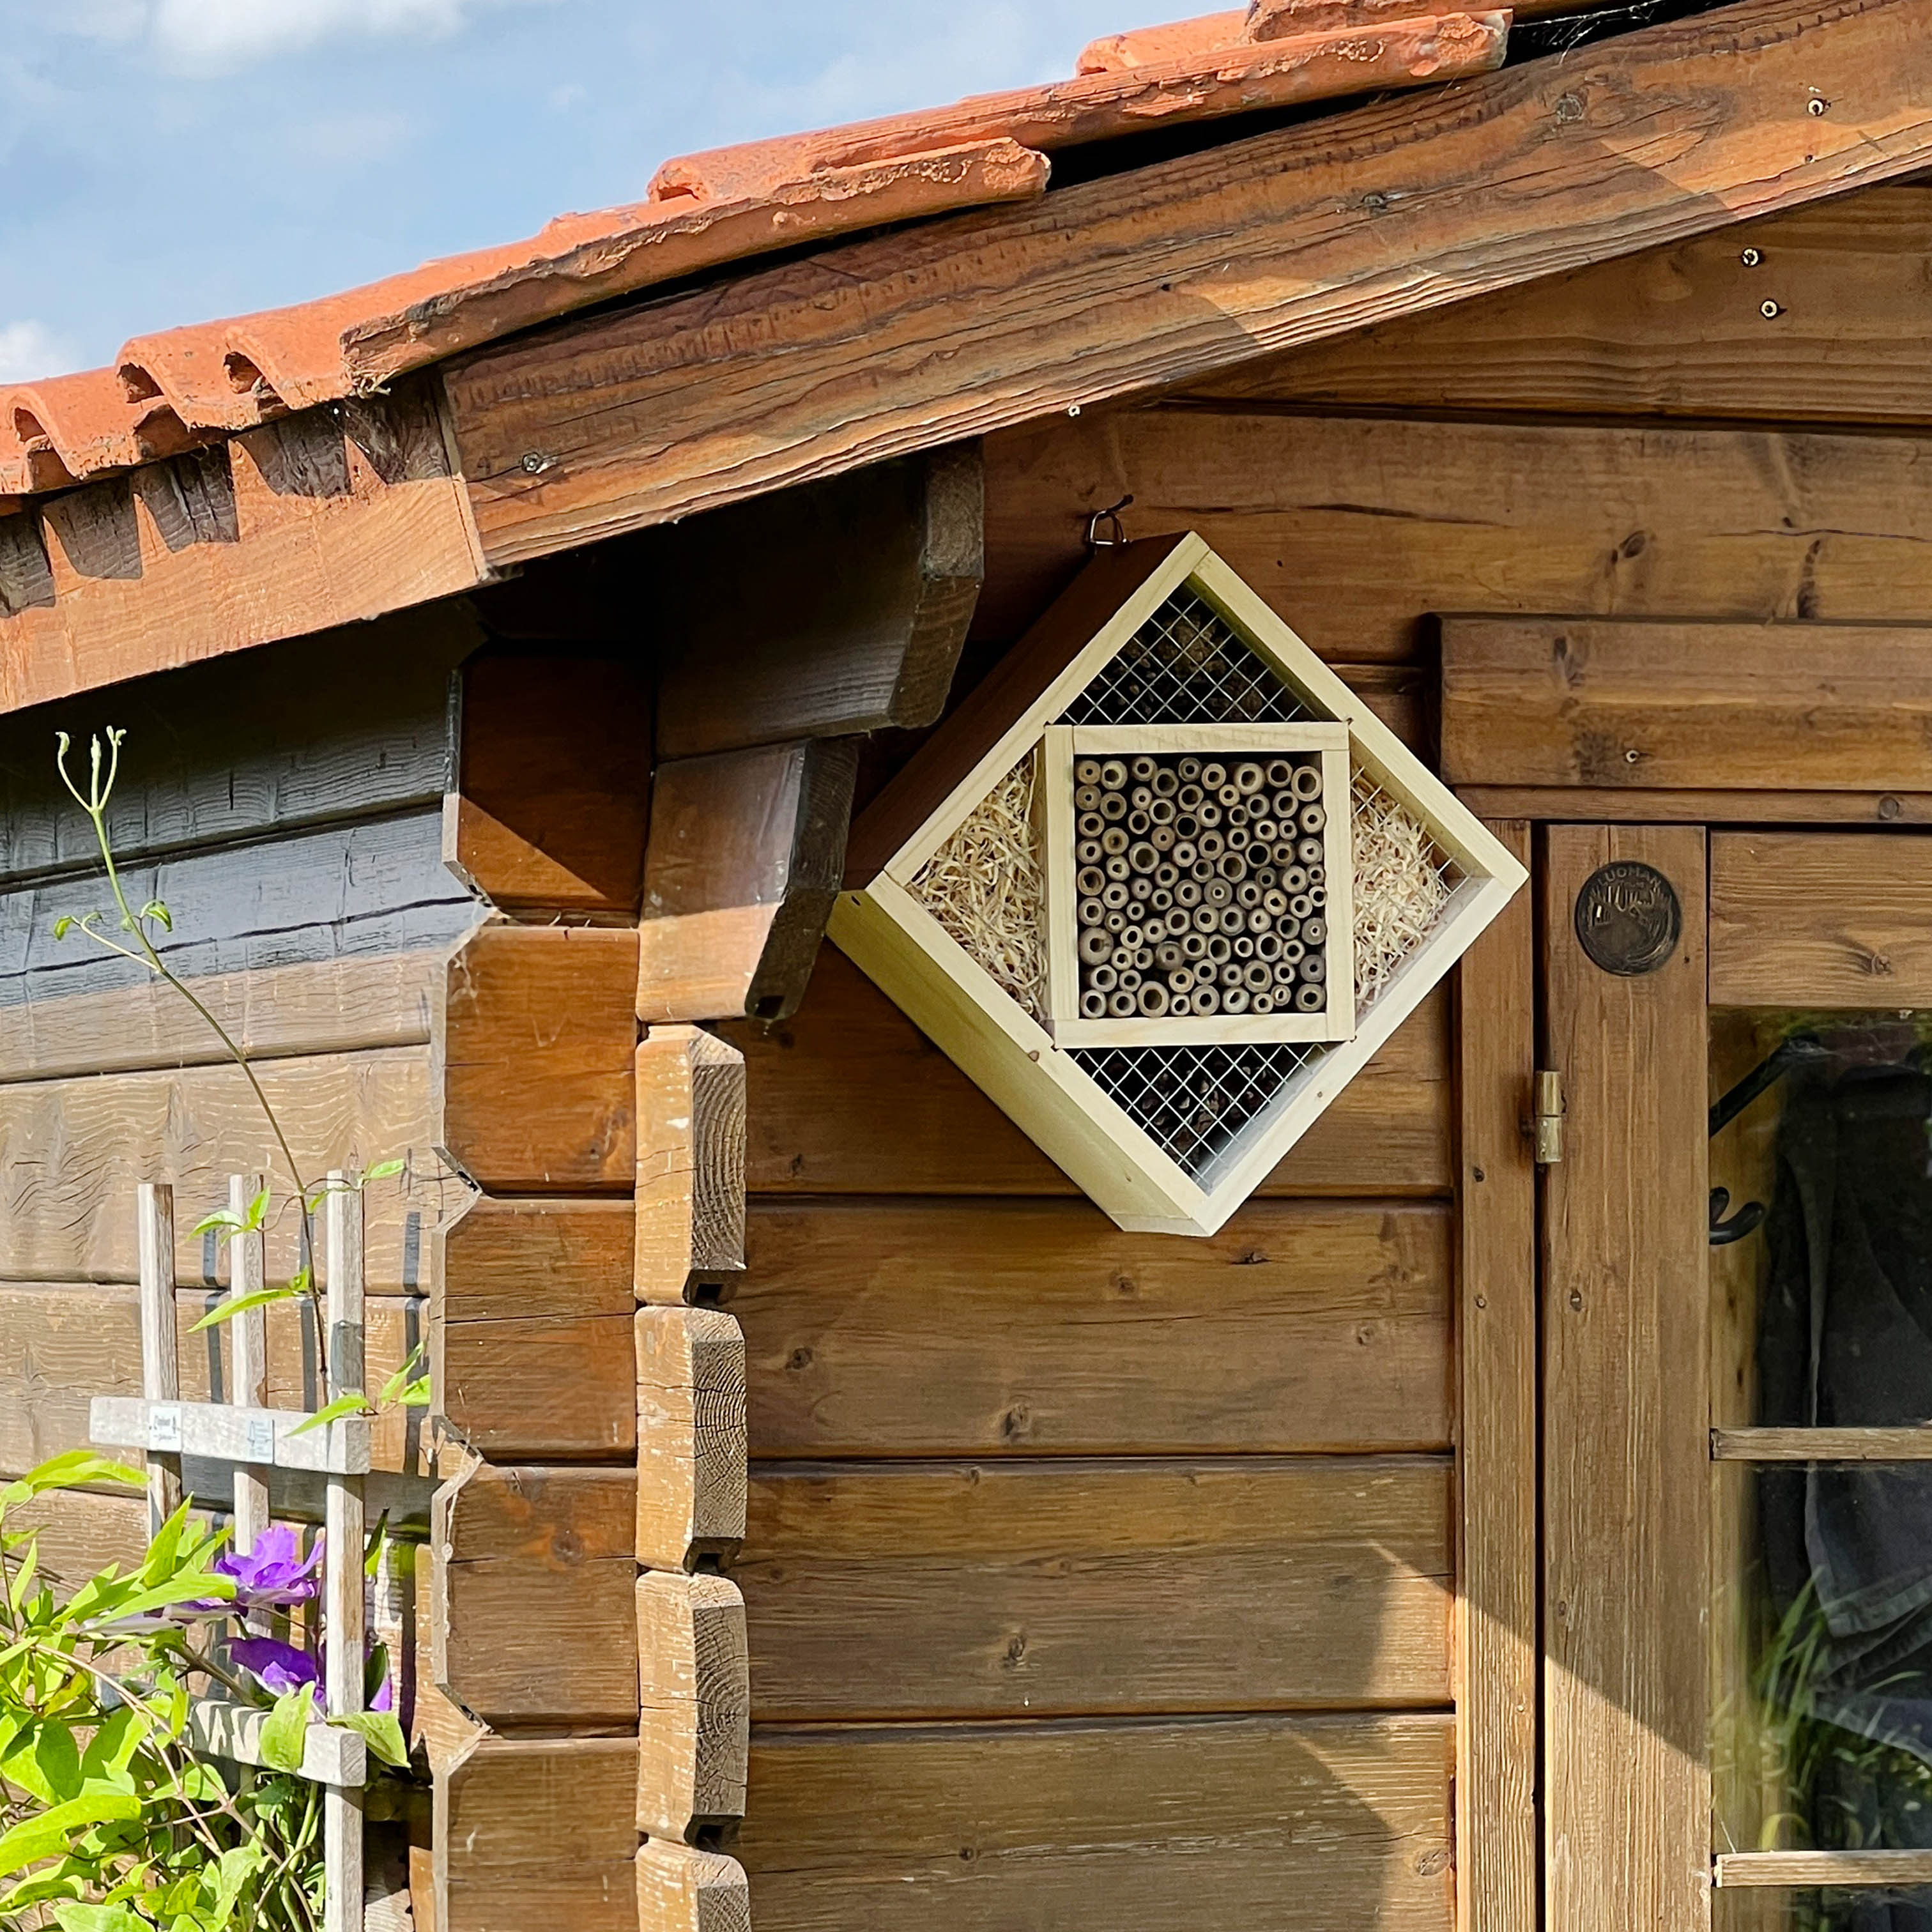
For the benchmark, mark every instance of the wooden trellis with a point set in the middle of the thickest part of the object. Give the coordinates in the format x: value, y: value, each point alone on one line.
x: 252, y: 1439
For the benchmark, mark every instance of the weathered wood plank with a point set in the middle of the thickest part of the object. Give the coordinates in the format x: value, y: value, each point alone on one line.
x: 534, y: 1620
x: 1606, y: 703
x: 1352, y: 528
x: 356, y: 891
x: 535, y: 1039
x: 1008, y: 1589
x: 553, y: 792
x: 1626, y: 1480
x: 264, y: 744
x: 537, y: 1831
x: 1577, y: 804
x: 319, y: 527
x: 73, y: 1151
x: 683, y: 1890
x: 1164, y: 273
x: 930, y: 1327
x: 747, y: 850
x: 1497, y: 1644
x: 691, y: 1162
x: 275, y: 1012
x: 1820, y: 919
x: 690, y: 1408
x: 847, y: 1097
x: 1677, y: 331
x: 1306, y: 1825
x: 851, y: 621
x: 542, y: 1257
x: 693, y: 1718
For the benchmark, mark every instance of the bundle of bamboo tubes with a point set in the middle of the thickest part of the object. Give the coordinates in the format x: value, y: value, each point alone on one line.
x: 1203, y: 885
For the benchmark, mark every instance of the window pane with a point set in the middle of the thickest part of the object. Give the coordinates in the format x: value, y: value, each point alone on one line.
x: 1822, y: 1317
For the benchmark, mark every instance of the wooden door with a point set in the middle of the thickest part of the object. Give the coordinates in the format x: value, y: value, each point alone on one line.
x: 1735, y: 1312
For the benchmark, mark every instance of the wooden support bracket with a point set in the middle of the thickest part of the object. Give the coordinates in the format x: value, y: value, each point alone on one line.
x: 691, y: 1162
x: 746, y: 851
x: 691, y: 1436
x: 681, y: 1890
x: 694, y: 1725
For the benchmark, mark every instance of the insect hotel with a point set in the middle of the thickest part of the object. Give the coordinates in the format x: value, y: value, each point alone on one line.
x: 1129, y: 887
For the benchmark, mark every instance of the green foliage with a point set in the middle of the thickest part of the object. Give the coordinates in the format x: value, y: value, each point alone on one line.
x: 107, y: 1823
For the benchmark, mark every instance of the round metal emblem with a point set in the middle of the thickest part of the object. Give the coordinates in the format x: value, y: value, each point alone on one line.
x: 1628, y: 918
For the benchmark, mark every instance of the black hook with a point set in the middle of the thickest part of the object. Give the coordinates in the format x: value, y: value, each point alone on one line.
x: 1095, y: 541
x: 1745, y: 1221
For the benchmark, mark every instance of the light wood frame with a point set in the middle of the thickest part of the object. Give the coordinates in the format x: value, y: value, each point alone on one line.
x: 1018, y: 1061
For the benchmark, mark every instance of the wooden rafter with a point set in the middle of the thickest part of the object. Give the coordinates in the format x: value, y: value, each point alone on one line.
x: 1167, y: 273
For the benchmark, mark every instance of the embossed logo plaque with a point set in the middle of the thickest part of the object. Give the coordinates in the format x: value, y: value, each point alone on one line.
x: 1628, y: 918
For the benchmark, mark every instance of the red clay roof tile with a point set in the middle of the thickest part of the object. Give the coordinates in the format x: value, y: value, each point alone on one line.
x: 169, y: 390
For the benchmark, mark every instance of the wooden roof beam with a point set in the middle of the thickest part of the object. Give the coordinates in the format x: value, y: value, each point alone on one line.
x: 978, y: 322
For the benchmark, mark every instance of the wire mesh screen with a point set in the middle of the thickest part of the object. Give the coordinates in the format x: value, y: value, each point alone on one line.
x: 1194, y: 1101
x: 1186, y: 665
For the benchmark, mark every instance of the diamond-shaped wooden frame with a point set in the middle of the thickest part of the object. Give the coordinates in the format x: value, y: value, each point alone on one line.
x: 881, y: 924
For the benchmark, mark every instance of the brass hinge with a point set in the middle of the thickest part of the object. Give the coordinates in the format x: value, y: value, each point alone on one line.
x: 1546, y: 1128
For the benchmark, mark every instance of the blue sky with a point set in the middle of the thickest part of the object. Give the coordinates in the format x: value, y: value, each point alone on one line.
x: 167, y: 161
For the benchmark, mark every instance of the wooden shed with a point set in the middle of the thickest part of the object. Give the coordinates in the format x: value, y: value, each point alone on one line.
x: 1496, y: 1510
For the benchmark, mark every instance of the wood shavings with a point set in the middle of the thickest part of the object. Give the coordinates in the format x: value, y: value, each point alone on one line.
x: 987, y: 887
x: 1400, y: 890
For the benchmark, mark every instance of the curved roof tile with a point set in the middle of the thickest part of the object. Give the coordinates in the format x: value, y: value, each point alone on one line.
x: 169, y: 390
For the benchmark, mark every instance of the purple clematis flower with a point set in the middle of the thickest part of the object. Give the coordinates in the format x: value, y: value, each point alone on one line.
x: 271, y: 1576
x: 279, y: 1668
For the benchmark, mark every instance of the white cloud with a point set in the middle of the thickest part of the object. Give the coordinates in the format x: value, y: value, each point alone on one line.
x: 218, y: 36
x: 30, y: 349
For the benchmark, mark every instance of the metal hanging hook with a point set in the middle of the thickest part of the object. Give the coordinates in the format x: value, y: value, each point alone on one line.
x: 1095, y: 541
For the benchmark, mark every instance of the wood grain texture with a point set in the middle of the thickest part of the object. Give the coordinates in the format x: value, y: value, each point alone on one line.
x: 1308, y: 1825
x: 553, y: 795
x: 533, y: 1831
x: 534, y: 1040
x: 1908, y: 1444
x: 1497, y: 1640
x: 929, y: 1590
x: 1676, y: 330
x: 691, y: 1162
x: 539, y: 1388
x: 532, y: 1620
x: 365, y: 889
x: 1597, y: 702
x: 1352, y: 528
x: 61, y: 1343
x: 1626, y: 1481
x: 351, y: 723
x: 1590, y: 803
x: 315, y: 526
x: 690, y: 1435
x: 683, y: 1890
x: 1164, y: 273
x: 847, y: 1097
x: 67, y: 1147
x: 693, y: 1716
x: 1820, y: 919
x: 746, y: 853
x: 851, y: 622
x: 929, y: 1327
x: 275, y: 1012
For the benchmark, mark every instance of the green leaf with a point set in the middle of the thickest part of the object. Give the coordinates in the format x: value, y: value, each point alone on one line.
x: 393, y: 1389
x: 70, y: 1469
x: 384, y: 1735
x: 351, y: 1402
x: 373, y: 1545
x: 63, y: 925
x: 154, y: 909
x: 258, y: 1208
x: 284, y: 1735
x: 222, y: 1217
x: 57, y: 1758
x: 227, y: 1310
x: 418, y: 1395
x: 78, y: 1918
x: 384, y: 1170
x: 41, y: 1838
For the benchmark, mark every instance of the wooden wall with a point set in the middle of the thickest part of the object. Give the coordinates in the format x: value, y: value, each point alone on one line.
x: 1100, y: 1580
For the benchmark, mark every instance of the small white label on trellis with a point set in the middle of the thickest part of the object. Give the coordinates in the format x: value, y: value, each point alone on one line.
x: 164, y: 1427
x: 259, y: 1433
